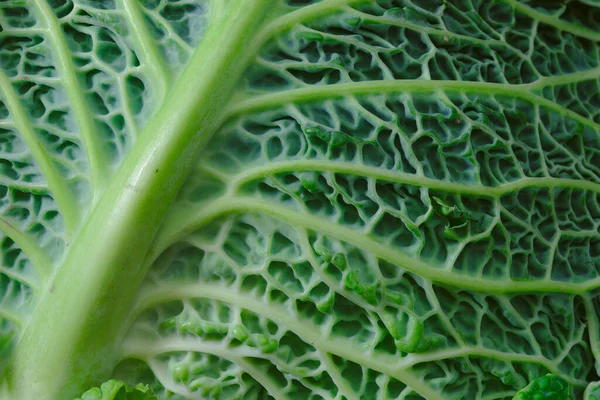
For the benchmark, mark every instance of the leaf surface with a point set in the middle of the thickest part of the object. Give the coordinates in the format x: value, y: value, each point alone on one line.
x: 285, y: 199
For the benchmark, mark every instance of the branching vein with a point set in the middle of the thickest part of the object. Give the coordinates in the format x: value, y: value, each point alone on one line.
x: 576, y: 30
x: 149, y: 52
x: 273, y: 168
x: 366, y: 88
x: 92, y: 142
x: 63, y: 195
x: 187, y: 221
x: 304, y: 329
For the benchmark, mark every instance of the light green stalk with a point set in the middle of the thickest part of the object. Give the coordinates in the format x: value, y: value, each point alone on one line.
x: 72, y: 338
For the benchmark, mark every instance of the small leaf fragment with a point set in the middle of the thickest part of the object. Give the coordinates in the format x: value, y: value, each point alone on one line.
x: 115, y: 389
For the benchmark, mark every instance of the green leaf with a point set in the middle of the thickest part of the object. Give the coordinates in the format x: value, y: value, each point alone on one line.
x: 284, y: 199
x: 118, y: 390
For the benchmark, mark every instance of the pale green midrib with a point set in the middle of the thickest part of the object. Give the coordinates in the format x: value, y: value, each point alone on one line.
x: 271, y: 168
x: 185, y: 221
x: 79, y: 323
x: 96, y: 157
x: 143, y: 350
x: 65, y: 198
x: 92, y: 290
x: 149, y: 52
x: 163, y: 293
x: 304, y: 329
x: 371, y: 88
x: 576, y: 30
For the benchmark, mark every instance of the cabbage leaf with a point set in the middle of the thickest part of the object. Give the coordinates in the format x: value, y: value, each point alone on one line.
x: 299, y: 199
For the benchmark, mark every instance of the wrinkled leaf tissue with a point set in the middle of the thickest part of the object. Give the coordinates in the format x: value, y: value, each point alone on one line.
x: 399, y: 199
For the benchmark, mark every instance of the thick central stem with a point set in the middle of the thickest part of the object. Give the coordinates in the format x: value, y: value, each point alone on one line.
x: 73, y: 337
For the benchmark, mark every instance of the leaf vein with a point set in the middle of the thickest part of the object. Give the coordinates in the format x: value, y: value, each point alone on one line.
x: 97, y: 158
x: 64, y: 197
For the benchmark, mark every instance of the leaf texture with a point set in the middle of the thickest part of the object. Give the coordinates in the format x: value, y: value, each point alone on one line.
x: 401, y: 199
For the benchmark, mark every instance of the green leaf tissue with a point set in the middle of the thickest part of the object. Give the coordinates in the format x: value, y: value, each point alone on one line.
x: 300, y: 199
